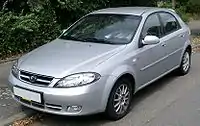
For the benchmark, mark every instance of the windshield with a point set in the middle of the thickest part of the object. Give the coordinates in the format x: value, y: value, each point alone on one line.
x: 104, y: 28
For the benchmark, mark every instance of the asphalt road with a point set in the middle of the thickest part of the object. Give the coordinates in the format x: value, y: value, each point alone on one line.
x: 8, y: 106
x: 195, y: 27
x: 171, y: 101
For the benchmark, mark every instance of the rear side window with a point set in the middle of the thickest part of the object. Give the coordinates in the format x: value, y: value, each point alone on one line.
x: 170, y: 23
x: 152, y: 26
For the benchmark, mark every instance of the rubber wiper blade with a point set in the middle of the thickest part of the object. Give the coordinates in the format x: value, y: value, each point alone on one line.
x: 98, y: 40
x: 70, y: 38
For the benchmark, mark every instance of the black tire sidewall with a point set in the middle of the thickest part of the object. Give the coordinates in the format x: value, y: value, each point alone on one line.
x: 110, y: 112
x: 181, y: 71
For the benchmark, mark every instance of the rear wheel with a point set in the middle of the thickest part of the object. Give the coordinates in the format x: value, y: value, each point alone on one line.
x: 185, y: 63
x: 120, y: 99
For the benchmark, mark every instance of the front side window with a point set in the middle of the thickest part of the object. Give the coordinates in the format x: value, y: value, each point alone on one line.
x: 152, y: 26
x: 169, y: 22
x: 104, y: 28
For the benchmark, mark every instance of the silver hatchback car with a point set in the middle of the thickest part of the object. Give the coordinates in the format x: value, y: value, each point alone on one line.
x: 101, y: 61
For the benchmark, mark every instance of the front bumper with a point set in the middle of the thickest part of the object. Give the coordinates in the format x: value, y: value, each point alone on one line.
x: 91, y: 97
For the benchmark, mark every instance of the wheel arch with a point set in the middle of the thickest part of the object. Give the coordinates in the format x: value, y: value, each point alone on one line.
x: 111, y: 81
x: 189, y: 48
x: 114, y: 80
x: 186, y: 47
x: 109, y: 103
x: 128, y: 76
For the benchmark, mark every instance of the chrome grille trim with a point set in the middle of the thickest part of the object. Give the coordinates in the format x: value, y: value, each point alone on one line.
x: 24, y: 76
x: 54, y: 107
x: 42, y: 80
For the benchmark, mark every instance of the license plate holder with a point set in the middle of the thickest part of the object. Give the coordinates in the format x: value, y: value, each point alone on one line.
x: 28, y: 95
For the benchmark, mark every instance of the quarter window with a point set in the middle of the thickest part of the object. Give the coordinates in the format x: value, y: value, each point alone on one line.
x: 170, y: 23
x: 152, y: 26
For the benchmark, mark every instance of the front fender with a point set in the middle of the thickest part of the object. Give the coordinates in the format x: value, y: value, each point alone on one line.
x: 187, y: 43
x: 112, y: 79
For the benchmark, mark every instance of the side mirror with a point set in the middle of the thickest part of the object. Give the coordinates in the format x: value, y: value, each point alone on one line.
x: 64, y: 30
x: 150, y: 40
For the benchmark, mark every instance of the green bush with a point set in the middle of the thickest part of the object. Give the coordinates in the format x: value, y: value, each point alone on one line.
x: 180, y: 9
x: 193, y: 7
x: 21, y: 33
x: 15, y: 32
x: 27, y: 24
x: 164, y: 4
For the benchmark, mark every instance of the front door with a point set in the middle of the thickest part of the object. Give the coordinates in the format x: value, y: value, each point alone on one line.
x: 151, y: 58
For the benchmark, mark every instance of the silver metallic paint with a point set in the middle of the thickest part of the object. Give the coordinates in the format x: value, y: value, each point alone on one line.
x: 61, y: 58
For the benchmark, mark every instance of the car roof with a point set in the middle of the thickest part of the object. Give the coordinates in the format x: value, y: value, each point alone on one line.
x: 129, y: 10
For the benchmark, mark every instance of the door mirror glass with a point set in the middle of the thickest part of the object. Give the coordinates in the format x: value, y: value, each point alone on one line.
x: 150, y: 40
x: 64, y: 30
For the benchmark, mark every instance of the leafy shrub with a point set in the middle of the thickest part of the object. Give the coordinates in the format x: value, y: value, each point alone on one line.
x: 193, y: 7
x: 21, y: 33
x: 180, y: 9
x: 15, y: 32
x: 164, y: 4
x: 27, y: 24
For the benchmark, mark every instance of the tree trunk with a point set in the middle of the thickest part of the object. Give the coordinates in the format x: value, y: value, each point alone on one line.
x: 173, y: 4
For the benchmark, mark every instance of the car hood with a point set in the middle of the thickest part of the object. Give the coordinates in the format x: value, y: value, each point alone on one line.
x: 63, y: 57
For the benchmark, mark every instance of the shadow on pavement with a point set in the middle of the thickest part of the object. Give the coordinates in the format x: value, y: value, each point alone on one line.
x: 99, y: 119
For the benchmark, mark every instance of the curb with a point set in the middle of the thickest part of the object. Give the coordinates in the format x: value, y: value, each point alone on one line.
x: 198, y: 45
x: 18, y: 116
x: 8, y: 60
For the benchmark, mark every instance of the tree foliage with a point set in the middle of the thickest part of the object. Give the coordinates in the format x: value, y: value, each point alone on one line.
x: 27, y: 24
x: 23, y: 30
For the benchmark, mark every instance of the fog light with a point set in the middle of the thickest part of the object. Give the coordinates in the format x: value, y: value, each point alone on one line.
x: 73, y: 108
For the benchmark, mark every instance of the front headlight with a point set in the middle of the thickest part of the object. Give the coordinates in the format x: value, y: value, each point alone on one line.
x: 15, y: 70
x: 79, y: 79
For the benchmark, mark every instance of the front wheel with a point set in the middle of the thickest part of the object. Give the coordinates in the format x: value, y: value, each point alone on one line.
x: 120, y: 99
x: 185, y: 63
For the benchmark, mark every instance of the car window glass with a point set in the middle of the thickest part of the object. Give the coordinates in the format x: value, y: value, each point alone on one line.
x: 104, y: 28
x: 169, y: 22
x: 152, y: 26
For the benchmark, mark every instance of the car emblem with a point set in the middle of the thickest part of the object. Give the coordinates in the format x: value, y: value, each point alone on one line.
x: 33, y: 79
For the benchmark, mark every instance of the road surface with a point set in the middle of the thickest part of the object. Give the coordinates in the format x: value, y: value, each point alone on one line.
x: 195, y: 27
x: 8, y: 106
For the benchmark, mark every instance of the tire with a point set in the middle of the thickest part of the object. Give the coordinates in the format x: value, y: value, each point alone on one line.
x: 185, y: 64
x: 114, y: 111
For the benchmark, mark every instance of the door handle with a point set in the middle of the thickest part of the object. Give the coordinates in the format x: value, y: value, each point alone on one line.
x: 181, y: 36
x: 164, y: 44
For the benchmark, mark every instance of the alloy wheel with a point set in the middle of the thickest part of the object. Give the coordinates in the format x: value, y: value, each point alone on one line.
x: 121, y: 99
x: 186, y: 62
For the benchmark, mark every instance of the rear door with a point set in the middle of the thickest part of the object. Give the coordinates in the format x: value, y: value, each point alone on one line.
x: 174, y: 38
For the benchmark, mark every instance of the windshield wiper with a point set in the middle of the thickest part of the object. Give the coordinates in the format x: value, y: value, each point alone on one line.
x: 95, y: 40
x: 98, y: 40
x: 70, y: 38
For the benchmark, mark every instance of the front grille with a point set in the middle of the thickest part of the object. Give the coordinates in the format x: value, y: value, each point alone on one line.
x: 35, y: 78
